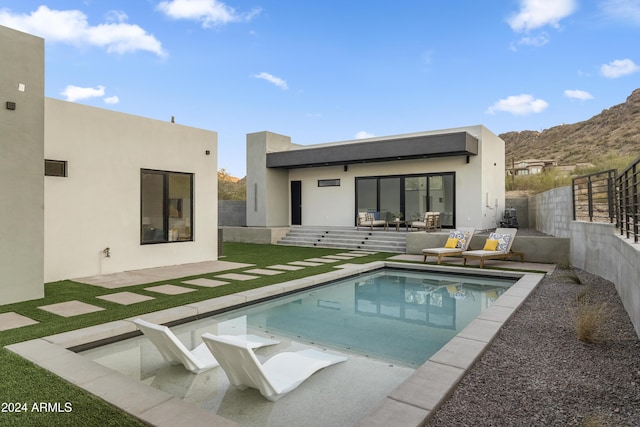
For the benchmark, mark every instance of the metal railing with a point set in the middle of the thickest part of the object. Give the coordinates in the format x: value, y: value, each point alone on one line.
x: 629, y: 201
x: 594, y: 197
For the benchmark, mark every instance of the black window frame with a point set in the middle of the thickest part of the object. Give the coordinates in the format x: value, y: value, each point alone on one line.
x: 166, y: 202
x: 402, y: 190
x: 335, y: 182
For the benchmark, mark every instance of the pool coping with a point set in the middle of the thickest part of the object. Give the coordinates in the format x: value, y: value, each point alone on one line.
x: 409, y: 404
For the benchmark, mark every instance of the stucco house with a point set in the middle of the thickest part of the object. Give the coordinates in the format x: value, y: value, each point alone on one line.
x: 87, y: 191
x: 457, y: 172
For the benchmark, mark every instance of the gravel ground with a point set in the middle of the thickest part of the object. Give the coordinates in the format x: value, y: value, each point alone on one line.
x: 537, y: 373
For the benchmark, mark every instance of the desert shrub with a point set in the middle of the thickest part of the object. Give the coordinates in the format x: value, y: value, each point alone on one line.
x: 588, y: 317
x: 537, y: 183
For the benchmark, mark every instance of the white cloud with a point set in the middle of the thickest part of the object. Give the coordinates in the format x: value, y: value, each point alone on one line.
x: 272, y: 79
x: 578, y: 94
x: 72, y: 27
x: 519, y: 105
x: 111, y: 100
x: 209, y: 12
x: 539, y: 40
x: 76, y: 93
x: 364, y: 134
x: 540, y: 13
x: 619, y: 68
x: 624, y: 10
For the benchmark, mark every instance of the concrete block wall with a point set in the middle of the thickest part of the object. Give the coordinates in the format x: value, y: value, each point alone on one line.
x: 599, y: 249
x: 232, y: 213
x: 551, y: 212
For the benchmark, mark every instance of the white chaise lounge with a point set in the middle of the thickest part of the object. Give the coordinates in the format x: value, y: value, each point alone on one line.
x: 197, y: 360
x: 497, y: 246
x: 457, y: 242
x: 278, y: 376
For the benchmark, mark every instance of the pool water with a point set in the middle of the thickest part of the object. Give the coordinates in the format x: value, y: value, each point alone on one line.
x: 388, y: 322
x: 399, y: 316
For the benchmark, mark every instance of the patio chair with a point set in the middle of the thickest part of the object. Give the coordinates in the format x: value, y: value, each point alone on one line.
x: 457, y: 242
x: 430, y: 222
x: 367, y: 219
x: 497, y: 246
x: 278, y: 376
x: 197, y: 360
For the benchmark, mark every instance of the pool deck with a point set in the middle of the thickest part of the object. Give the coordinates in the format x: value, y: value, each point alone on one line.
x: 410, y: 404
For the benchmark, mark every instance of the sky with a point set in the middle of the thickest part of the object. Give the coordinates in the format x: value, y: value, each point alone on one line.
x: 327, y: 71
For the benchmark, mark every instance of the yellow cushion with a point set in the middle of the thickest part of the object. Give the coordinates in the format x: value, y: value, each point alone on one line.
x: 490, y: 245
x: 451, y: 243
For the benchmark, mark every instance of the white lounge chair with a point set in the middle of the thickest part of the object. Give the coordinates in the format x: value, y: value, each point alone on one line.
x: 197, y: 360
x: 277, y: 376
x: 497, y: 246
x: 457, y: 242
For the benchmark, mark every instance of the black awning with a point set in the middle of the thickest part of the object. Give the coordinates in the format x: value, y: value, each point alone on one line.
x: 382, y: 150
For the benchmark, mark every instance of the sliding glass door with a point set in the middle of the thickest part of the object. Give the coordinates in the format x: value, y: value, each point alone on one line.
x: 408, y: 195
x: 390, y: 200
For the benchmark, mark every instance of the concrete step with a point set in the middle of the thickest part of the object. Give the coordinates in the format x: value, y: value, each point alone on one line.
x: 347, y: 238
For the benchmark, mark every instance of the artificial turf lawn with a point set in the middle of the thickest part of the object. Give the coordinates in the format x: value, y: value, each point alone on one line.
x: 22, y: 382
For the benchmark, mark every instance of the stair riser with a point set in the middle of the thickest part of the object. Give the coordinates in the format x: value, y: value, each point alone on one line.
x: 373, y: 240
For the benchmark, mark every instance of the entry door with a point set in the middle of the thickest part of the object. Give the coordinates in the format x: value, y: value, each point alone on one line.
x: 296, y: 202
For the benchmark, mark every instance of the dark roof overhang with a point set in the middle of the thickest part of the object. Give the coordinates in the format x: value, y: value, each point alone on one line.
x: 381, y: 150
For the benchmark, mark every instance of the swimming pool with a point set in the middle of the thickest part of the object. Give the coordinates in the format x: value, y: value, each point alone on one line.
x: 398, y: 308
x: 399, y: 316
x: 360, y: 391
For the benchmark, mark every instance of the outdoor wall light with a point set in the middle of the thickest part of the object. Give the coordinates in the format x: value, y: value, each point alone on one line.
x: 11, y: 105
x: 107, y: 252
x: 346, y: 168
x: 207, y: 152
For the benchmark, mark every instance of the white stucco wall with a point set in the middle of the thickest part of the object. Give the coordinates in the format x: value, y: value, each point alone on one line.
x: 21, y: 166
x: 267, y: 189
x: 480, y: 183
x: 98, y: 204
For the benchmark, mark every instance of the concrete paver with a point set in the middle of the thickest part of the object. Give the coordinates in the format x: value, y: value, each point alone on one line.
x: 157, y: 274
x: 237, y: 276
x: 306, y: 263
x: 169, y: 289
x: 13, y: 320
x: 285, y: 267
x: 125, y: 298
x: 207, y: 283
x: 339, y: 257
x: 322, y: 260
x: 70, y: 308
x: 263, y: 271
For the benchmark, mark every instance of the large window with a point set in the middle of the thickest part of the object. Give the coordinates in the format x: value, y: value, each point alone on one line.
x: 167, y: 206
x: 409, y: 195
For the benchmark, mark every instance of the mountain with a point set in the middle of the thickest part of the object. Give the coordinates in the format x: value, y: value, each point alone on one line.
x: 615, y: 130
